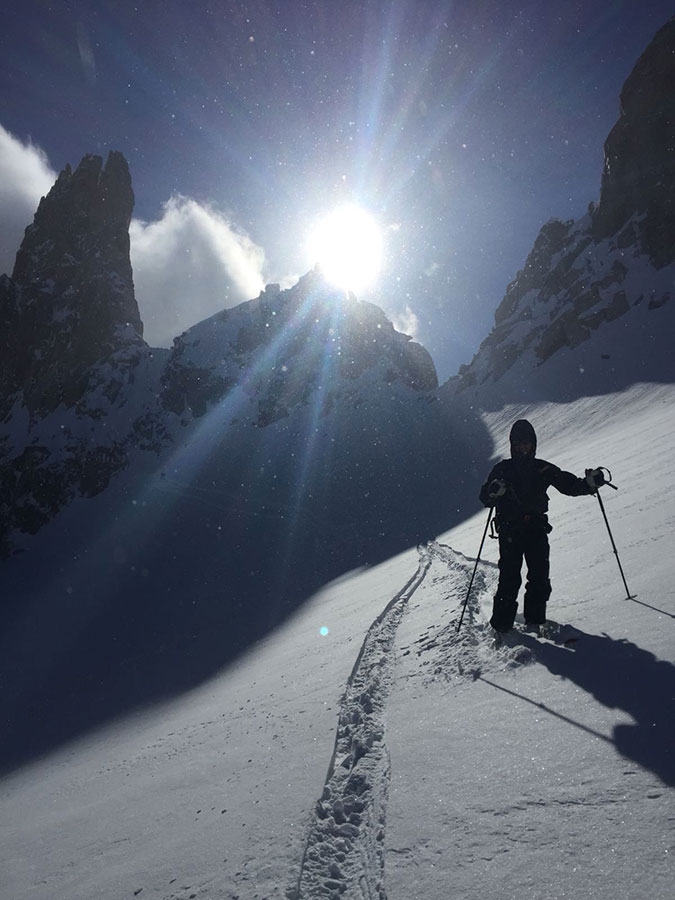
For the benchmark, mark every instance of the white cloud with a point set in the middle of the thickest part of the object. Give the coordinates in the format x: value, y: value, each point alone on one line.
x: 25, y: 177
x: 407, y: 322
x: 188, y: 265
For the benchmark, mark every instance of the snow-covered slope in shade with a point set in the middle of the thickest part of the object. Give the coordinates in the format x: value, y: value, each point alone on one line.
x: 298, y: 443
x: 443, y: 766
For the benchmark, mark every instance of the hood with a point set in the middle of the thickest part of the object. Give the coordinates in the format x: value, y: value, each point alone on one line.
x: 522, y: 430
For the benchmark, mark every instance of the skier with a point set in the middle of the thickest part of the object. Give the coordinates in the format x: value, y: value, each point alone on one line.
x: 517, y: 488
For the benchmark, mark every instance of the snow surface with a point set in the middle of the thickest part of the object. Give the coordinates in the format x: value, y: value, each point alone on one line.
x: 366, y: 749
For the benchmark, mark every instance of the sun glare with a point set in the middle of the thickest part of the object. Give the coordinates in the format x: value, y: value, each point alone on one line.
x: 347, y: 246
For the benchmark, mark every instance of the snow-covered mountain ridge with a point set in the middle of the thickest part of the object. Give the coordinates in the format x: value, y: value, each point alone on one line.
x: 571, y: 320
x: 591, y: 289
x: 284, y: 346
x: 84, y: 397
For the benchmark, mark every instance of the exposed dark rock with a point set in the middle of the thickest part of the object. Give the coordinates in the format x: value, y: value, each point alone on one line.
x: 71, y: 349
x: 581, y: 276
x: 538, y: 269
x: 72, y: 300
x: 639, y: 172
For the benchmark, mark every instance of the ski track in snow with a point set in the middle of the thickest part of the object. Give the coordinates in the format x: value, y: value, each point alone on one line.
x: 345, y: 845
x: 344, y: 853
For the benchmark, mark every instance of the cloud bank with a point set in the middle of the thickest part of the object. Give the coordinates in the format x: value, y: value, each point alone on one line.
x: 189, y: 264
x: 25, y: 177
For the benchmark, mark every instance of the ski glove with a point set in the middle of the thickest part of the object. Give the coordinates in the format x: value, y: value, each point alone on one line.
x: 595, y: 478
x: 496, y: 489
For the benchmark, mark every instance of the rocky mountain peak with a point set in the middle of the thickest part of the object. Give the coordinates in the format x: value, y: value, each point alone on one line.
x: 280, y: 347
x: 601, y: 284
x: 70, y: 302
x: 75, y: 377
x: 86, y: 210
x: 639, y: 171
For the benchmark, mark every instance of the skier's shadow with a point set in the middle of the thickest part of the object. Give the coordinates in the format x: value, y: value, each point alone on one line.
x: 621, y: 675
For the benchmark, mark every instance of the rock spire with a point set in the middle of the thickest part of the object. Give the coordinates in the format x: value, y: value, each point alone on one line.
x: 70, y: 302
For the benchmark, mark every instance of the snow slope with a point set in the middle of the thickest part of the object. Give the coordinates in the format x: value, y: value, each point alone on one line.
x: 365, y: 749
x: 543, y: 769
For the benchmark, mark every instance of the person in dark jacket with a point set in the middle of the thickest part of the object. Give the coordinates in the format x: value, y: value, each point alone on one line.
x: 517, y: 488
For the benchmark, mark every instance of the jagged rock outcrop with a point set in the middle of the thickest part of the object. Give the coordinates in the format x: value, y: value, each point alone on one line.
x: 639, y: 173
x: 75, y: 374
x: 70, y: 302
x: 605, y: 279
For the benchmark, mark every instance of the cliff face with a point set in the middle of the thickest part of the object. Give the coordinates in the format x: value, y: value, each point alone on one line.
x: 639, y: 173
x: 603, y: 284
x: 70, y: 302
x: 74, y: 369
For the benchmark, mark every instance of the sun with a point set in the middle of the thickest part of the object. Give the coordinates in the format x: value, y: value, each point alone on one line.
x: 347, y: 247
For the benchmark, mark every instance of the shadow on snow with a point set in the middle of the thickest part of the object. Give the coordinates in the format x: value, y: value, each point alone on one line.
x: 157, y: 585
x: 620, y: 675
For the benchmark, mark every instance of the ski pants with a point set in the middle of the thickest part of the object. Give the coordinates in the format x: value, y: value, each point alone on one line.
x: 530, y: 542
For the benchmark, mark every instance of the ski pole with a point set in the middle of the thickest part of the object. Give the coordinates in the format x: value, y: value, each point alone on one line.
x: 473, y: 574
x: 608, y: 482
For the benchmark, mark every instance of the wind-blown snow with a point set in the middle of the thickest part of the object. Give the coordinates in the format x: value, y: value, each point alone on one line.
x: 533, y: 770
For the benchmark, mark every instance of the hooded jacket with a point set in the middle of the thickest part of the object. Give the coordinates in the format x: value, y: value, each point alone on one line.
x: 527, y: 481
